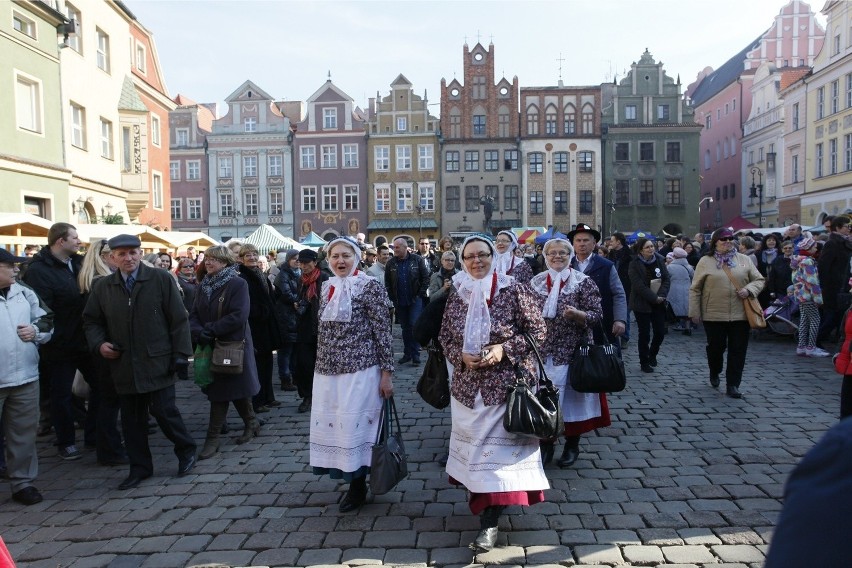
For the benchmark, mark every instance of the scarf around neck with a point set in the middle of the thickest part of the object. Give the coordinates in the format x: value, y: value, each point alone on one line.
x: 213, y: 282
x: 308, y: 281
x: 340, y: 288
x: 725, y: 259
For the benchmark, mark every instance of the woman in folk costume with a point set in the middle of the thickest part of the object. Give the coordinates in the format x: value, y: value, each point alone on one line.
x: 505, y: 260
x: 354, y: 371
x: 482, y: 334
x: 571, y: 306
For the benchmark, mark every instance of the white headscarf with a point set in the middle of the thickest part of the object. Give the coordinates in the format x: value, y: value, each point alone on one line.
x: 339, y: 307
x: 505, y: 261
x: 570, y: 277
x: 476, y: 293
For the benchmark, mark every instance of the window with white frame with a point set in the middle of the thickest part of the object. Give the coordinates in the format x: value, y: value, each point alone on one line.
x: 382, y: 197
x: 250, y: 203
x: 491, y: 159
x: 226, y: 166
x: 832, y: 156
x: 403, y: 158
x: 250, y: 124
x: 401, y: 124
x: 275, y: 164
x: 629, y: 112
x: 663, y: 112
x: 550, y: 122
x: 820, y: 110
x: 819, y: 157
x: 536, y: 162
x: 585, y: 159
x: 174, y: 171
x: 226, y: 204
x: 452, y: 161
x: 106, y: 139
x: 249, y: 166
x: 350, y: 198
x: 329, y: 156
x: 28, y: 104
x: 588, y: 120
x: 381, y: 156
x: 835, y: 96
x: 182, y: 137
x: 193, y: 208
x: 427, y: 196
x: 329, y: 198
x: 308, y: 155
x: 177, y: 210
x: 569, y: 120
x: 157, y: 189
x: 155, y: 130
x: 560, y: 162
x: 329, y: 118
x: 847, y: 150
x: 510, y: 160
x: 404, y: 198
x: 193, y: 170
x: 350, y: 155
x: 849, y: 86
x: 471, y: 160
x: 425, y: 157
x: 23, y: 24
x: 75, y: 41
x: 126, y: 162
x: 309, y: 198
x: 276, y: 202
x: 794, y: 168
x: 532, y: 121
x: 103, y: 50
x: 141, y: 58
x: 78, y: 126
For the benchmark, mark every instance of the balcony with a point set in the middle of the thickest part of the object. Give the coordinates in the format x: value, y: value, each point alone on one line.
x: 765, y: 120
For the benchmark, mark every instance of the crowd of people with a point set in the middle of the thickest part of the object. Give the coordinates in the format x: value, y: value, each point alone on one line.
x: 128, y: 324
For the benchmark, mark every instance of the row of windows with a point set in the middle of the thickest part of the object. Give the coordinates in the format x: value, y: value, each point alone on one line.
x: 425, y: 158
x: 646, y: 193
x: 760, y: 154
x: 250, y: 203
x: 274, y: 166
x: 569, y: 121
x: 725, y: 193
x: 560, y: 202
x: 560, y: 162
x: 328, y: 156
x: 729, y: 107
x: 827, y: 162
x: 327, y: 198
x: 404, y: 197
x: 479, y: 124
x: 647, y: 151
x: 193, y: 209
x: 833, y: 102
x: 193, y: 170
x: 473, y: 200
x: 663, y: 113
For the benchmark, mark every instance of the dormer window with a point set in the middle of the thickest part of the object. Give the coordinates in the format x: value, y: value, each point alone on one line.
x: 329, y: 118
x: 250, y: 124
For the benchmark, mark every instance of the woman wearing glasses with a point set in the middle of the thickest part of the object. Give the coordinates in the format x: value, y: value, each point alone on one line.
x: 714, y: 299
x: 185, y: 273
x: 482, y: 333
x: 507, y: 262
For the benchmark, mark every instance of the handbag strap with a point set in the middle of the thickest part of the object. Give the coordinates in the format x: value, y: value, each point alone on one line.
x: 388, y: 421
x: 731, y: 277
x: 543, y: 379
x: 219, y: 314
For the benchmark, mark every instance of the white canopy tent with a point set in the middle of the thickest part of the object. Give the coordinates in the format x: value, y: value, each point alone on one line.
x: 266, y: 238
x: 21, y: 229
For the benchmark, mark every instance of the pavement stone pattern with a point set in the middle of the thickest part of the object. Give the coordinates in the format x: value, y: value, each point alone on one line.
x: 684, y: 477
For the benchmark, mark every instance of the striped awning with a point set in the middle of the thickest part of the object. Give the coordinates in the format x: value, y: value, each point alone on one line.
x: 266, y: 238
x: 527, y: 235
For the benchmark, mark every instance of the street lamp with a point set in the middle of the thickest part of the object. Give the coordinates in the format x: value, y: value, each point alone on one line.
x: 756, y: 190
x: 708, y: 199
x: 419, y: 209
x: 237, y: 214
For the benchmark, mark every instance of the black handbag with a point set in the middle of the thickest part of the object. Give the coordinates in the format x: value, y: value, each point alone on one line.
x: 533, y: 414
x: 388, y: 464
x: 434, y: 384
x: 597, y: 368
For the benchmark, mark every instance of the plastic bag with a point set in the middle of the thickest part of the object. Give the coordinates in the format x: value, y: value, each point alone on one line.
x: 201, y: 365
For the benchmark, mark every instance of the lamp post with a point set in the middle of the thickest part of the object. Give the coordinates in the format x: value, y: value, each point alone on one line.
x: 419, y: 209
x: 237, y: 214
x: 708, y: 198
x: 756, y: 190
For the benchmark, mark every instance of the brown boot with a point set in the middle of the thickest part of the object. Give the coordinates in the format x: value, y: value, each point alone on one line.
x: 246, y: 411
x: 218, y: 413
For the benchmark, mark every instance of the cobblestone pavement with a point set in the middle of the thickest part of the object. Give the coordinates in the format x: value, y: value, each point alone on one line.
x: 685, y: 477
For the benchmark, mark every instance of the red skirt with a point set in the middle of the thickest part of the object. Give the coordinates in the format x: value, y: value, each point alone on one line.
x: 578, y: 428
x: 479, y: 501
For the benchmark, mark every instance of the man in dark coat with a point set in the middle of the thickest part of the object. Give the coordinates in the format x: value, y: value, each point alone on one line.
x: 407, y: 281
x: 620, y: 255
x: 287, y: 282
x: 307, y: 326
x: 136, y: 320
x: 833, y: 269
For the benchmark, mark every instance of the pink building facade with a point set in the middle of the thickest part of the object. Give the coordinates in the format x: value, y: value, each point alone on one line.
x: 189, y: 125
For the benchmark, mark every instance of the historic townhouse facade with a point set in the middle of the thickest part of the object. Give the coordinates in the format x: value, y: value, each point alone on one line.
x: 722, y: 103
x: 482, y: 165
x: 650, y: 147
x: 250, y: 166
x: 32, y: 170
x: 828, y: 190
x: 330, y: 176
x: 189, y: 125
x: 794, y: 147
x: 561, y: 150
x: 403, y: 169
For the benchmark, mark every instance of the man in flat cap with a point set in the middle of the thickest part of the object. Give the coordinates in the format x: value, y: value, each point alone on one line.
x: 136, y: 320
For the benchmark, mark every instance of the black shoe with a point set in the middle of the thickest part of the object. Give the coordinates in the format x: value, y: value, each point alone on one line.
x: 273, y: 403
x: 354, y: 498
x: 404, y: 360
x: 647, y: 369
x: 547, y: 449
x: 287, y: 385
x: 485, y: 540
x: 569, y: 456
x: 27, y: 496
x: 687, y: 331
x: 714, y: 380
x: 652, y: 360
x: 305, y: 406
x: 133, y: 480
x: 185, y: 465
x: 733, y: 392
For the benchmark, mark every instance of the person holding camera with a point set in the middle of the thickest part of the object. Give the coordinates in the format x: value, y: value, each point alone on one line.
x: 307, y: 326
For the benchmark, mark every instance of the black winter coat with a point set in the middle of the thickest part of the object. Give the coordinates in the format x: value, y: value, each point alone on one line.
x: 833, y: 267
x: 642, y: 298
x: 418, y: 277
x: 287, y: 284
x: 262, y: 318
x: 307, y: 324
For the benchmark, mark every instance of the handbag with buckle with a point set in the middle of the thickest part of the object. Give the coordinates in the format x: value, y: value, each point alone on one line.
x: 597, y: 368
x: 227, y: 357
x: 533, y: 413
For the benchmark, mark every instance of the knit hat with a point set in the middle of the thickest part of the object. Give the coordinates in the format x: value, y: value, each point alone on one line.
x: 806, y: 244
x: 678, y: 252
x: 308, y: 255
x: 288, y: 256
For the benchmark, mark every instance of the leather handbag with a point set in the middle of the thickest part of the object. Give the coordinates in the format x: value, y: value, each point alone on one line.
x: 388, y: 465
x: 597, y: 368
x: 529, y: 413
x: 227, y: 357
x: 434, y: 384
x: 751, y: 307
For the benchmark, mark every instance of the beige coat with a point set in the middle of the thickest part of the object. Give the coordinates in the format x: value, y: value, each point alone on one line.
x: 712, y: 297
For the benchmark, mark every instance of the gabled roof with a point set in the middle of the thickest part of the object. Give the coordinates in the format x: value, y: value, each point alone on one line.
x: 129, y: 98
x: 261, y: 94
x: 401, y: 81
x: 329, y: 86
x: 790, y: 76
x: 724, y: 75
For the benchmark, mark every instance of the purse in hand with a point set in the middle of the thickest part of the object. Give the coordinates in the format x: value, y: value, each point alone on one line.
x: 227, y: 357
x: 597, y: 368
x: 434, y: 384
x: 533, y: 414
x: 388, y: 464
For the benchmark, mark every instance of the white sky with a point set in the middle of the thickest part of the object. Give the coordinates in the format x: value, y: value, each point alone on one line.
x: 209, y: 48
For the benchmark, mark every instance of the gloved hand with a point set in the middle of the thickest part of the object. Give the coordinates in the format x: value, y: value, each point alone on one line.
x: 205, y: 338
x: 177, y: 362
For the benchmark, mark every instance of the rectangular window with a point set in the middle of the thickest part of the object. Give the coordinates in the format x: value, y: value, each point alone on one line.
x: 452, y: 195
x: 403, y: 158
x: 155, y: 130
x: 28, y: 111
x: 646, y: 151
x: 193, y: 208
x: 75, y: 40
x: 570, y: 123
x: 329, y: 156
x: 646, y: 192
x: 586, y: 206
x: 329, y: 198
x: 452, y: 160
x: 275, y: 164
x: 622, y: 151
x: 182, y: 137
x: 350, y: 198
x: 585, y: 159
x: 157, y: 189
x: 794, y: 167
x: 174, y: 171
x: 404, y: 198
x: 176, y: 210
x: 820, y: 110
x: 250, y: 204
x: 425, y: 157
x: 819, y: 156
x: 560, y: 202
x: 226, y: 166
x: 226, y: 205
x: 78, y: 126
x: 276, y: 203
x: 309, y: 198
x: 510, y: 198
x: 350, y: 155
x: 673, y: 194
x: 308, y: 156
x: 193, y: 170
x: 250, y: 124
x: 560, y: 162
x: 401, y: 124
x: 249, y: 166
x: 503, y: 125
x: 629, y: 112
x: 832, y: 156
x: 471, y: 198
x: 550, y: 124
x: 510, y: 160
x: 455, y: 126
x: 141, y: 59
x: 588, y: 123
x: 662, y: 112
x: 479, y: 125
x: 795, y: 116
x: 426, y: 196
x: 103, y: 50
x: 23, y: 24
x: 536, y: 162
x: 708, y: 121
x: 673, y: 151
x: 532, y: 123
x: 849, y: 85
x: 536, y: 202
x: 382, y: 198
x: 622, y: 192
x: 492, y: 160
x: 329, y: 118
x: 847, y: 150
x: 835, y: 96
x: 381, y: 156
x: 471, y: 160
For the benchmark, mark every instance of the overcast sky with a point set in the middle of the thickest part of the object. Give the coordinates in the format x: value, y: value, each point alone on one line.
x: 209, y: 48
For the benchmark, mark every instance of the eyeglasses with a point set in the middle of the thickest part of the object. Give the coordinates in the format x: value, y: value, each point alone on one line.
x: 556, y: 254
x: 480, y: 256
x: 503, y: 242
x: 726, y: 239
x: 187, y: 266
